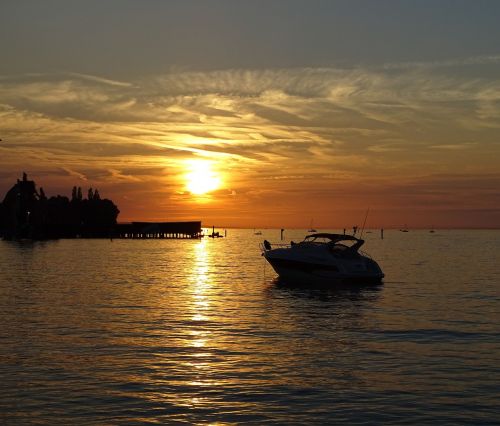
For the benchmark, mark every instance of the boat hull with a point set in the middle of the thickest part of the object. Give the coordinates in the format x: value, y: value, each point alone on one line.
x: 359, y: 271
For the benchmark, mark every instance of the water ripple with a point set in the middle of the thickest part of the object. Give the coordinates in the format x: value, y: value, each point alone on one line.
x: 155, y: 332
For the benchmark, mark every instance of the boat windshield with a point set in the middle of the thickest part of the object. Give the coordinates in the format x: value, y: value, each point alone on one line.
x: 338, y: 242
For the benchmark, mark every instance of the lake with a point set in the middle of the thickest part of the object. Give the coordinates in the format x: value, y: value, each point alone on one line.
x: 200, y: 331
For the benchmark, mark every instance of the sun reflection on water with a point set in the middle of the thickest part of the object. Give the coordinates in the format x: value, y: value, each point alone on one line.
x: 198, y: 362
x: 200, y: 282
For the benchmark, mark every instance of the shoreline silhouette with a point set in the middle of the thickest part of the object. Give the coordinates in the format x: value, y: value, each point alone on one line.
x: 27, y: 213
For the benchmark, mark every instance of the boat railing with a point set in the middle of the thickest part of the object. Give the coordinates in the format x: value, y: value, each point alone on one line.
x: 273, y: 246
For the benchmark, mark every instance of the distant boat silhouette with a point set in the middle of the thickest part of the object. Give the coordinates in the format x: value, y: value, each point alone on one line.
x: 404, y: 229
x: 256, y: 232
x: 311, y: 228
x: 215, y: 234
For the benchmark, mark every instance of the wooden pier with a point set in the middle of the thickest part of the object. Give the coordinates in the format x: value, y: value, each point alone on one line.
x: 160, y: 230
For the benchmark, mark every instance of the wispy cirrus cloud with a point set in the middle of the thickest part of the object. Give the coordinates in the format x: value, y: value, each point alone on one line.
x: 260, y: 126
x: 449, y: 63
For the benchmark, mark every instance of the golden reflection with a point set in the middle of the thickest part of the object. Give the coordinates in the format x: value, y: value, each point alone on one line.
x: 198, y: 361
x: 199, y: 343
x: 200, y: 299
x: 198, y: 339
x: 201, y: 284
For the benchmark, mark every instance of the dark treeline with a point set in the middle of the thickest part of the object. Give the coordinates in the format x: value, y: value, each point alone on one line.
x: 28, y: 213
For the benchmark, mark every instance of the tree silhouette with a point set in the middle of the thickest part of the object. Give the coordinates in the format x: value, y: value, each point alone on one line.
x: 27, y: 213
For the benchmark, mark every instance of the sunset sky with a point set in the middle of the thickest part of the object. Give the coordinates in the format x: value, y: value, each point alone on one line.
x: 258, y: 113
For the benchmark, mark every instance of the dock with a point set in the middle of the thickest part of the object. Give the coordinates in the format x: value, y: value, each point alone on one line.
x: 159, y: 230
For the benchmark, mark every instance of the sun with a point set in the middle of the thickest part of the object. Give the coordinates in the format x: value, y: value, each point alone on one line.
x: 201, y: 179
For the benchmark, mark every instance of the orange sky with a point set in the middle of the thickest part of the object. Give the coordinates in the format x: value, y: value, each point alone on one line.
x: 416, y: 141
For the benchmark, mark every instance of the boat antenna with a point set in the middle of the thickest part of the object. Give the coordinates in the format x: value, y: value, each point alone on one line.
x: 364, y: 223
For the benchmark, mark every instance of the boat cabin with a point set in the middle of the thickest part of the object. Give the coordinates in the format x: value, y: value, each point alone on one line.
x: 338, y: 243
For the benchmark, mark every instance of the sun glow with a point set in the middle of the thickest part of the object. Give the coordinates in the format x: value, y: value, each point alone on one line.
x: 201, y: 178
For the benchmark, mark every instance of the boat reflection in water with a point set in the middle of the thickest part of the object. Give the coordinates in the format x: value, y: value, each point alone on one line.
x: 323, y: 258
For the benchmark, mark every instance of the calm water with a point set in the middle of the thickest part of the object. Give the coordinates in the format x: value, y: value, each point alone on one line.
x: 129, y: 332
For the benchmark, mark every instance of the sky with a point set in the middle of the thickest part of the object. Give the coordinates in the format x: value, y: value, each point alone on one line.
x: 258, y: 113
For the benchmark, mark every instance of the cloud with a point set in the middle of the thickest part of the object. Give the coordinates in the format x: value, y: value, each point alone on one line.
x: 74, y: 173
x: 454, y: 147
x: 449, y: 63
x: 333, y: 128
x: 100, y: 149
x: 102, y: 80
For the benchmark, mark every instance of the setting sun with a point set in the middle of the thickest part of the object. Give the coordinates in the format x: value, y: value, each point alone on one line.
x: 201, y: 178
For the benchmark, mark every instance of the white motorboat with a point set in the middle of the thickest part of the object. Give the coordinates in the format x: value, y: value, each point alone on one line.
x: 323, y: 258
